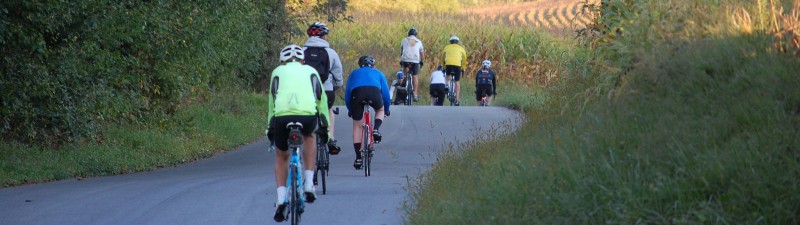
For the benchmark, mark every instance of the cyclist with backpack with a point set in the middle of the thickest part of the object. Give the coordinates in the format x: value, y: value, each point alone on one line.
x: 325, y: 60
x: 411, y: 57
x: 485, y: 83
x: 366, y: 84
x: 455, y: 62
x: 295, y: 95
x: 438, y: 89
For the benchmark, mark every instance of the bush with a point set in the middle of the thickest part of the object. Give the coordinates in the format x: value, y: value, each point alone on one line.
x: 69, y: 66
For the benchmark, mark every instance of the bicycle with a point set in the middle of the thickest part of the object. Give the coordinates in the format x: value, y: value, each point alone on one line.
x: 367, y: 140
x: 409, y: 84
x: 323, y: 158
x: 451, y: 90
x: 296, y: 199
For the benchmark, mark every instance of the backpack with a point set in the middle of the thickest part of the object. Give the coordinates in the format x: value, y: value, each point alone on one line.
x: 317, y: 57
x: 484, y: 77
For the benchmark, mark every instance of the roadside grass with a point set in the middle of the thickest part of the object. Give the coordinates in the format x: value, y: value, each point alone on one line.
x: 693, y: 122
x: 222, y: 122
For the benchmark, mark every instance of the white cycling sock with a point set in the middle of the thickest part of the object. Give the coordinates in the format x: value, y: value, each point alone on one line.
x: 309, y: 180
x: 281, y: 195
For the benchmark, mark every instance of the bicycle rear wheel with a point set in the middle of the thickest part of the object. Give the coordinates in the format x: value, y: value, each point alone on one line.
x: 364, y: 149
x: 368, y: 160
x: 294, y: 203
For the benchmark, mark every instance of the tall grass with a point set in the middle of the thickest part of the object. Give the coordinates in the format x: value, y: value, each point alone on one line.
x: 689, y: 114
x: 524, y: 59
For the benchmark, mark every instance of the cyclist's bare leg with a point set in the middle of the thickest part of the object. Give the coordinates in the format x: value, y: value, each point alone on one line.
x: 458, y: 90
x: 310, y: 151
x: 489, y: 100
x: 357, y: 131
x: 330, y: 126
x: 379, y: 114
x: 281, y: 162
x: 416, y: 85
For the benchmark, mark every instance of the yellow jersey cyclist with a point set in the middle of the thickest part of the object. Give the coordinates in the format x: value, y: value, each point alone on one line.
x: 295, y: 95
x: 366, y: 84
x: 455, y: 62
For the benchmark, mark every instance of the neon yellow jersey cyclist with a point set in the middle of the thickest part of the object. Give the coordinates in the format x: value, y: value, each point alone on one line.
x: 296, y: 95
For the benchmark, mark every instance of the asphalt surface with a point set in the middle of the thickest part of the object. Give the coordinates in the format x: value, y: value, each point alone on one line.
x: 238, y: 186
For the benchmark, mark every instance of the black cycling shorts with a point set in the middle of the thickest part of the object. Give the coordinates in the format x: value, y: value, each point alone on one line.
x: 364, y: 93
x: 413, y: 67
x: 331, y: 98
x: 481, y: 89
x: 282, y: 133
x: 437, y: 91
x: 455, y: 71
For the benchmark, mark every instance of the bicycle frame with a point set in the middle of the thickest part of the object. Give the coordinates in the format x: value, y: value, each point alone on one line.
x: 295, y: 198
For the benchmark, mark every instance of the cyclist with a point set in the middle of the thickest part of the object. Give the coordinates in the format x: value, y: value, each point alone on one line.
x: 411, y: 57
x: 455, y: 58
x: 322, y: 57
x: 366, y: 83
x: 485, y: 83
x: 438, y: 89
x: 399, y: 89
x: 295, y: 95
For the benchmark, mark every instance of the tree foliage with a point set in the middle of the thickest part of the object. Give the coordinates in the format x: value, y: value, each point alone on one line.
x: 69, y: 66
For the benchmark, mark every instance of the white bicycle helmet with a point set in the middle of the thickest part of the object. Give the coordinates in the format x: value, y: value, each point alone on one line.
x: 487, y: 63
x: 454, y: 39
x: 292, y: 51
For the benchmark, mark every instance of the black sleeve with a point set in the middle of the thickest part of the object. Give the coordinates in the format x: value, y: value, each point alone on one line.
x: 494, y: 82
x: 274, y: 88
x: 318, y: 92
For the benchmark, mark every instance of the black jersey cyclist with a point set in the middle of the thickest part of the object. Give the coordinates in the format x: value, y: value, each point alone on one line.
x: 485, y: 83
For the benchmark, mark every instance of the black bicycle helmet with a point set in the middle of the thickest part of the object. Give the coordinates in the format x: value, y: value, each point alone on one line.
x: 366, y: 60
x: 412, y: 31
x: 318, y: 29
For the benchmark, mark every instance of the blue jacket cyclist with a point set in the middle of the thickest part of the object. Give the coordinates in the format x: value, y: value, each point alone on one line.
x: 366, y: 84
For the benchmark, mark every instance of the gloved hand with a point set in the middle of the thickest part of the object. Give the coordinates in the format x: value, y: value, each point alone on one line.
x: 388, y: 112
x: 421, y: 63
x: 349, y: 114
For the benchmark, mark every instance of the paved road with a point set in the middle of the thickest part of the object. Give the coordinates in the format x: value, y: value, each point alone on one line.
x: 238, y: 187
